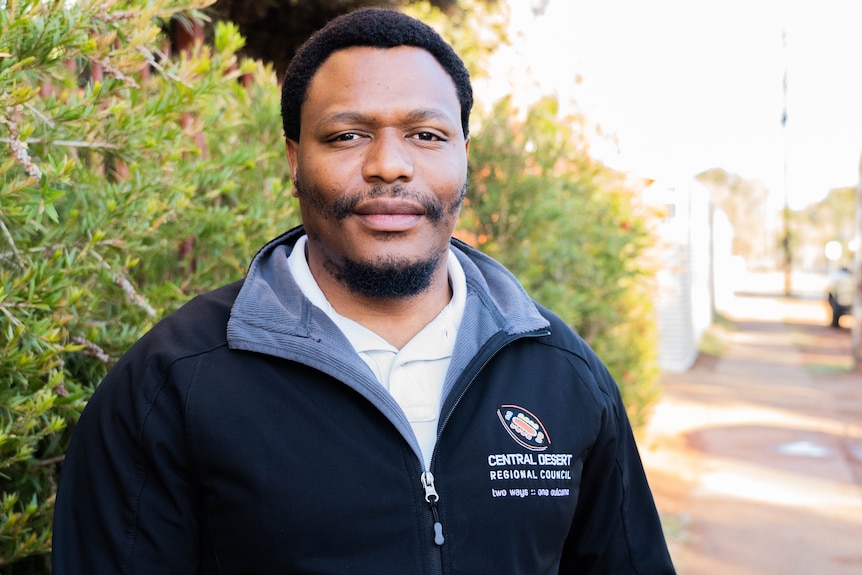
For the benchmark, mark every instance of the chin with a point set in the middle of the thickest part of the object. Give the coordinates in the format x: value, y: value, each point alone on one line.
x: 388, y: 277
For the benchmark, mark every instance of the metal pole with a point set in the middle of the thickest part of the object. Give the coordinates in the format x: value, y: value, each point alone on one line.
x: 857, y: 274
x: 788, y: 258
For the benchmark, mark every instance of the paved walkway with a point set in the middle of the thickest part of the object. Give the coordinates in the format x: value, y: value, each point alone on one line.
x: 755, y: 455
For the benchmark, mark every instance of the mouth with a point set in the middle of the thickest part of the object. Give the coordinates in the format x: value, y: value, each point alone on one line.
x: 389, y: 214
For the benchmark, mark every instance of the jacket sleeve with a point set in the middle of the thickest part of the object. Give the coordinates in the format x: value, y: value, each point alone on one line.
x: 126, y: 501
x: 616, y: 528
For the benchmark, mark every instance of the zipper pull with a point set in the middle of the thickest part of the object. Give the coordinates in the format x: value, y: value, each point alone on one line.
x: 432, y: 498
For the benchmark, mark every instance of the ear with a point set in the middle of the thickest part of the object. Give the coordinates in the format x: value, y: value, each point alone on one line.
x: 292, y: 151
x: 467, y: 146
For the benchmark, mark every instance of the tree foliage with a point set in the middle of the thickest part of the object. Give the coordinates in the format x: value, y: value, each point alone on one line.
x: 274, y: 29
x: 572, y: 231
x: 831, y: 219
x: 746, y: 204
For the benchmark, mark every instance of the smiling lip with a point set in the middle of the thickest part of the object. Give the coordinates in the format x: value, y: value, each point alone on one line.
x: 389, y: 214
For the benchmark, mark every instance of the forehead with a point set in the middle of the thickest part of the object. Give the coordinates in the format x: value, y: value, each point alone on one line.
x: 383, y: 78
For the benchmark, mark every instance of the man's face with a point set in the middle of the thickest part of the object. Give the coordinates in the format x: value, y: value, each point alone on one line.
x: 380, y: 169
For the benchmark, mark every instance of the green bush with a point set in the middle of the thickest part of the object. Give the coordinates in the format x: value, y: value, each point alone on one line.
x: 132, y: 178
x: 572, y: 231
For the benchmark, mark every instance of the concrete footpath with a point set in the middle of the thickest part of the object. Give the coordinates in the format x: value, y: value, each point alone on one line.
x: 755, y: 453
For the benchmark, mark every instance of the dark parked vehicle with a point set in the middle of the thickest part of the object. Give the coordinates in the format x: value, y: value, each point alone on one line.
x: 840, y: 293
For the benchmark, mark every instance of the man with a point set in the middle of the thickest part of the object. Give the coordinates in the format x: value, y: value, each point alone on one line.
x: 374, y: 397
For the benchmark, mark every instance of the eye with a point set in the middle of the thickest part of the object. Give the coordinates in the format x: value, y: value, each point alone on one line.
x: 346, y: 137
x: 427, y: 137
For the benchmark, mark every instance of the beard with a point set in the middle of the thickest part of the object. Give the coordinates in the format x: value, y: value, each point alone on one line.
x: 391, y: 279
x: 384, y: 278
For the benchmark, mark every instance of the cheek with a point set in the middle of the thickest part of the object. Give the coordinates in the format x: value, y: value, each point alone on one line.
x: 458, y: 193
x: 325, y: 185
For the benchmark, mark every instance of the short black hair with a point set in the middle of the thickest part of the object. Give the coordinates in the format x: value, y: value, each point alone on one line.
x: 375, y: 28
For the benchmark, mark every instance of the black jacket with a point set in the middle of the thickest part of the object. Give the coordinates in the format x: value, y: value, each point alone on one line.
x: 243, y: 435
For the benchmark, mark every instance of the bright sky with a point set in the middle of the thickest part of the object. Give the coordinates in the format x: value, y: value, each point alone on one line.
x: 687, y: 85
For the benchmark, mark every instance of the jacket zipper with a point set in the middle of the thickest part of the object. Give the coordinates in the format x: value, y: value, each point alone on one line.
x: 427, y: 478
x: 431, y: 497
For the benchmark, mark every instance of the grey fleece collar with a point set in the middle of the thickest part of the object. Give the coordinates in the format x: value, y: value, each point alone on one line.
x: 270, y: 304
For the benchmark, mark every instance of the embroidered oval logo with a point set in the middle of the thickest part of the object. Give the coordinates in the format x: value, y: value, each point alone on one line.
x: 524, y: 427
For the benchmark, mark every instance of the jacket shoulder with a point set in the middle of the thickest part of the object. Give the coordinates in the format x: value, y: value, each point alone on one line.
x: 199, y: 325
x: 583, y: 358
x: 135, y: 382
x: 562, y: 335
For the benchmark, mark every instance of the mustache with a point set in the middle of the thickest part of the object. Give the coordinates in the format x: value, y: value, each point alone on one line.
x: 434, y: 209
x: 343, y: 207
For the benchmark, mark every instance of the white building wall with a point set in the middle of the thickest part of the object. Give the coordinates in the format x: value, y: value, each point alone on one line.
x: 685, y: 298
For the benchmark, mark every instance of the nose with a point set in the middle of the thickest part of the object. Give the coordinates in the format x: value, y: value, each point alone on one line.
x: 388, y: 158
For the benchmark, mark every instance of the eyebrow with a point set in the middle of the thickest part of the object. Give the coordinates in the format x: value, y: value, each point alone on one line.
x: 414, y: 116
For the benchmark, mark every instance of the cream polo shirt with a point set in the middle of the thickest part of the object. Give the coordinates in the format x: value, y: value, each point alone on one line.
x: 415, y: 374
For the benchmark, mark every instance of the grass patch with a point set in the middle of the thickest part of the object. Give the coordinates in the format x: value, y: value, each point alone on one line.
x: 714, y: 340
x: 819, y: 357
x: 828, y: 368
x: 675, y: 526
